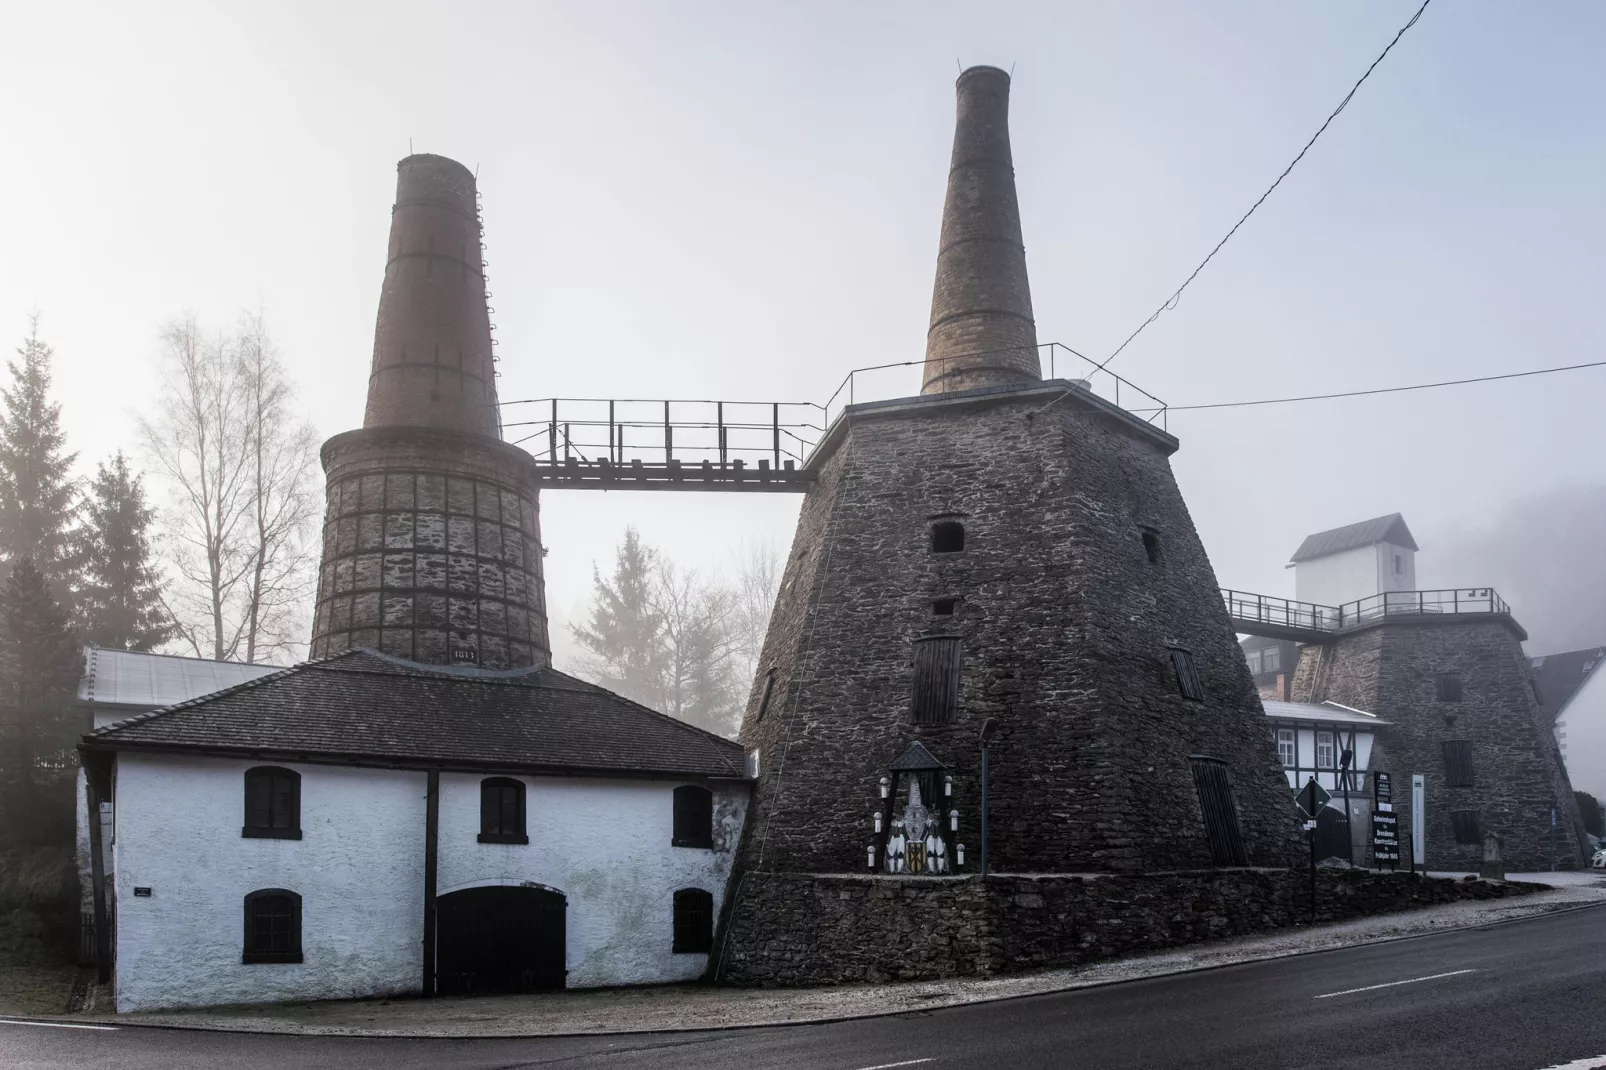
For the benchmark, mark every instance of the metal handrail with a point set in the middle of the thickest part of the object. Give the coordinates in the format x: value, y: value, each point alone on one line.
x: 1286, y: 612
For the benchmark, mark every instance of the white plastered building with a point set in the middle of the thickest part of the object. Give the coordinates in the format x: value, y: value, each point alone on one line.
x: 366, y: 826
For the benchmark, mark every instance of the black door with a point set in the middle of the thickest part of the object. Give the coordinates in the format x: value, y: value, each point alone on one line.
x: 1332, y: 835
x: 499, y: 940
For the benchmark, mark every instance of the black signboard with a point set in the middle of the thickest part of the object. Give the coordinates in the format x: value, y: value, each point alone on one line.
x: 1386, y: 839
x: 1382, y: 788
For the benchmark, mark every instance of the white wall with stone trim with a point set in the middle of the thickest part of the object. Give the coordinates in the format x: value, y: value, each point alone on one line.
x: 605, y: 844
x: 359, y: 869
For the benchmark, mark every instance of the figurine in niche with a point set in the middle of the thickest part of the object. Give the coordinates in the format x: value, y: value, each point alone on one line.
x: 896, y: 844
x: 936, y: 851
x: 921, y: 829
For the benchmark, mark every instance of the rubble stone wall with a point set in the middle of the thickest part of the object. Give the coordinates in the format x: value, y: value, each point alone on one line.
x: 812, y: 929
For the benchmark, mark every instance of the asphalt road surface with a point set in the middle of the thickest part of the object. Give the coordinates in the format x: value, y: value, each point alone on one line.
x: 1521, y: 995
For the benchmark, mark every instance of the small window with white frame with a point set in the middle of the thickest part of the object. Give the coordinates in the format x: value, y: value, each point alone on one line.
x: 1253, y: 657
x: 1324, y: 750
x: 1271, y: 659
x: 1286, y: 747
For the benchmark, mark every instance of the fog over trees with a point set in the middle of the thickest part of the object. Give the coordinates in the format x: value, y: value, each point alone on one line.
x: 1543, y: 555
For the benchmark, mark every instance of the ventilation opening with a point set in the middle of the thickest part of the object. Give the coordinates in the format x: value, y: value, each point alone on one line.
x: 1151, y: 546
x: 1447, y: 687
x: 944, y: 607
x: 1188, y: 682
x: 936, y: 680
x: 1458, y: 763
x: 1220, y: 811
x: 947, y: 537
x: 1466, y: 826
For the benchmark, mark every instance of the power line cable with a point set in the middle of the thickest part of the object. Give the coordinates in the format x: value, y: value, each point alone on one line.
x: 1171, y: 302
x: 1385, y: 389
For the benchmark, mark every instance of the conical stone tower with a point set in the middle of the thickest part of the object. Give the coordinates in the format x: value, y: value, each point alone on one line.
x: 432, y: 541
x: 1005, y: 553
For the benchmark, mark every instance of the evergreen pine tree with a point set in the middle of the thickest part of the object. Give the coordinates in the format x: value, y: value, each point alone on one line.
x: 38, y: 496
x: 40, y: 663
x: 120, y: 604
x: 621, y: 639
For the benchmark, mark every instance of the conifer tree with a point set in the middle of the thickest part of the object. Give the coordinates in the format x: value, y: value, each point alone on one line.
x: 38, y: 495
x: 120, y: 604
x: 40, y: 663
x: 621, y: 639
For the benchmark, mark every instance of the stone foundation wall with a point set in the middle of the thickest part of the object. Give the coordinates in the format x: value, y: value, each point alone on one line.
x: 809, y: 929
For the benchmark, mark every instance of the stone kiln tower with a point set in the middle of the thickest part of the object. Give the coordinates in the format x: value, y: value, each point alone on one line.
x: 1459, y: 697
x: 432, y: 543
x: 1006, y: 549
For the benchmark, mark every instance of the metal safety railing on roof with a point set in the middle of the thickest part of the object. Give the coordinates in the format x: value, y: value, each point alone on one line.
x: 1248, y: 609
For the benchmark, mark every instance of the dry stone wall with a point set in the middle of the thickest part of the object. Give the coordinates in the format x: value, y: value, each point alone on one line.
x: 807, y: 929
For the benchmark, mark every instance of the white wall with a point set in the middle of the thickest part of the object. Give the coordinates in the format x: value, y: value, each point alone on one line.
x: 1387, y: 578
x: 1305, y: 741
x: 1581, y: 731
x: 605, y: 844
x: 1337, y: 578
x: 359, y: 869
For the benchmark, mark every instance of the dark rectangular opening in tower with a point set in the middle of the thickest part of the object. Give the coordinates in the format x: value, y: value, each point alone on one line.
x: 936, y: 682
x: 1188, y: 682
x: 1220, y: 811
x: 1465, y: 823
x: 1447, y: 687
x: 1458, y: 763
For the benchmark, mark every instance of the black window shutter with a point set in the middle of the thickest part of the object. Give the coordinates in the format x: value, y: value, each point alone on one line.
x: 694, y: 817
x: 936, y: 684
x: 502, y: 811
x: 272, y: 803
x: 1458, y: 763
x: 1447, y: 687
x: 1465, y: 823
x: 694, y: 922
x: 272, y: 926
x: 1214, y: 783
x: 1187, y: 670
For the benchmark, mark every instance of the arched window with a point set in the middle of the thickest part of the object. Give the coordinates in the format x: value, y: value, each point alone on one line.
x: 272, y: 926
x: 502, y: 811
x: 947, y: 537
x: 272, y: 803
x: 694, y: 922
x: 694, y: 817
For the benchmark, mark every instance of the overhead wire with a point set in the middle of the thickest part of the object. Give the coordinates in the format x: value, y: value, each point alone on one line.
x: 1385, y: 389
x: 1171, y: 302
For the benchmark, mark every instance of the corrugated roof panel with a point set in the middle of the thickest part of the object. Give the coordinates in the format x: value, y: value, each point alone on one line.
x: 131, y: 678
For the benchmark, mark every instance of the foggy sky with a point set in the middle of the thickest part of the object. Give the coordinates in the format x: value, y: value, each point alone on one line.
x: 742, y: 201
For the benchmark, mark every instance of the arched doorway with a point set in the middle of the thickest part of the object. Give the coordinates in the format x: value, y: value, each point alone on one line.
x: 499, y: 940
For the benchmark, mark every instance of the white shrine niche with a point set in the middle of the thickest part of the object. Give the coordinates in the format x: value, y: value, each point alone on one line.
x: 917, y: 835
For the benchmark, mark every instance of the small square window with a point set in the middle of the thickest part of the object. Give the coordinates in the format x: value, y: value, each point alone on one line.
x: 1188, y: 682
x: 947, y: 537
x: 1447, y: 687
x: 1467, y: 827
x: 1271, y: 659
x: 1253, y: 657
x: 944, y: 607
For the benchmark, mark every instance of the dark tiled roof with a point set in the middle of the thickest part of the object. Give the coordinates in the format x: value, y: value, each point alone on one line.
x: 1559, y: 676
x: 365, y: 705
x: 1389, y: 528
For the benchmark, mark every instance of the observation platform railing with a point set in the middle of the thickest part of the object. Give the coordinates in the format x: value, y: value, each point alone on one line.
x: 1285, y: 618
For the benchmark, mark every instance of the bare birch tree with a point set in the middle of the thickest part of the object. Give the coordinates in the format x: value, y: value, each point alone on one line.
x: 697, y: 674
x: 238, y: 465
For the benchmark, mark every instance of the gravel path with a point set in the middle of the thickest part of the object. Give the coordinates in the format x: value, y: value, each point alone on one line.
x: 691, y: 1007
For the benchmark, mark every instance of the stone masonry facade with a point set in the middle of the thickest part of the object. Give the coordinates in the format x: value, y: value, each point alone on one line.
x: 1066, y: 618
x: 821, y: 929
x: 1390, y: 669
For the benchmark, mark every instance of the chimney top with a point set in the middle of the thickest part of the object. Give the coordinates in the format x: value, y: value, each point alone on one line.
x: 432, y: 363
x: 982, y: 332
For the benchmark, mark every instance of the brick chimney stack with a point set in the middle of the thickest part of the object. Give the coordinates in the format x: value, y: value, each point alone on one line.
x: 432, y: 345
x: 432, y: 535
x: 982, y: 332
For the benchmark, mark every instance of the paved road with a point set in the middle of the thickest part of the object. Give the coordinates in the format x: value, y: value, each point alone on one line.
x: 1515, y: 996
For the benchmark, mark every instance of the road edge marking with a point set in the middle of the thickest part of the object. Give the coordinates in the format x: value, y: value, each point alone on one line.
x: 57, y: 1025
x: 1391, y: 984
